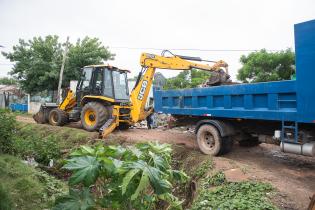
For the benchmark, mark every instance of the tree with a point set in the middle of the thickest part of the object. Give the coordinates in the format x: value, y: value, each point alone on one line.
x: 38, y: 61
x: 265, y: 66
x: 187, y: 79
x: 7, y: 81
x: 85, y: 52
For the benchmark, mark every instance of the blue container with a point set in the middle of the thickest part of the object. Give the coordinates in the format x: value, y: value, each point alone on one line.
x: 292, y: 100
x: 19, y: 107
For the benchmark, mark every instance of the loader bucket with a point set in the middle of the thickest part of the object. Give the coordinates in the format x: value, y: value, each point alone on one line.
x: 42, y: 115
x: 39, y: 117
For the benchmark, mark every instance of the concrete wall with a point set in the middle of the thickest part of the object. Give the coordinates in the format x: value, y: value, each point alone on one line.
x: 2, y: 105
x: 34, y: 107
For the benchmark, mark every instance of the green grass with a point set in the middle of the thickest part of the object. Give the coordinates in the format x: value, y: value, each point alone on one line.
x: 216, y: 179
x: 44, y: 142
x: 5, y: 199
x: 243, y: 195
x: 23, y: 187
x: 203, y: 168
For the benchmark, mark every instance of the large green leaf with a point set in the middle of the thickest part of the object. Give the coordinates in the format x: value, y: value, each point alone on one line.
x: 158, y: 161
x: 113, y: 151
x: 143, y: 184
x: 127, y: 179
x: 76, y: 200
x: 159, y: 184
x: 175, y: 204
x: 86, y: 170
x: 179, y: 176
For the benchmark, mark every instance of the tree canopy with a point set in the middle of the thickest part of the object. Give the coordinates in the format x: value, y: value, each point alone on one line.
x: 7, y: 81
x: 38, y: 61
x: 266, y: 66
x: 187, y: 79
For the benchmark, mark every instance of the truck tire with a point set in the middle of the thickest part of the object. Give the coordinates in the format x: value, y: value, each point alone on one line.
x: 58, y: 117
x: 94, y: 115
x: 209, y: 140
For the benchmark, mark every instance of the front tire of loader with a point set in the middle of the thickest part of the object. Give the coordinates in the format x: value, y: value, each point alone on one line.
x: 58, y: 117
x: 94, y: 115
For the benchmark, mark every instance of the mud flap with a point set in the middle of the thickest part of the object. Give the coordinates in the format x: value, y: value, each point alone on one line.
x: 108, y: 127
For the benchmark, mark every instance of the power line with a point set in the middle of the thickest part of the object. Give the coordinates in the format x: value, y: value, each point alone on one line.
x: 190, y: 49
x: 6, y: 64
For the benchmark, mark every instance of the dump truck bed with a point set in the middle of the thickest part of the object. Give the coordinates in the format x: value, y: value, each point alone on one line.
x: 264, y: 101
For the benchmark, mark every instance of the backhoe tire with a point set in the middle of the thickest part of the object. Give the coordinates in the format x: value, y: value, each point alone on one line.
x: 94, y: 115
x: 209, y: 140
x: 58, y: 117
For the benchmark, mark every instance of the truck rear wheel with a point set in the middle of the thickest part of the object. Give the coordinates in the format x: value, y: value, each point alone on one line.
x: 94, y: 115
x: 58, y: 117
x: 210, y: 141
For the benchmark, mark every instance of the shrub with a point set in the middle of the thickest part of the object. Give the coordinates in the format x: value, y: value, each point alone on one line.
x: 136, y: 177
x: 243, y: 195
x: 7, y: 130
x: 42, y: 149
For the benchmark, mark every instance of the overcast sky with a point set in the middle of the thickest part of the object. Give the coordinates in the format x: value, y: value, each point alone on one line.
x: 162, y: 24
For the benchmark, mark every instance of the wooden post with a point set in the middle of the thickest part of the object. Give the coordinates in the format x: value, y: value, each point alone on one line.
x: 312, y: 203
x: 61, y: 71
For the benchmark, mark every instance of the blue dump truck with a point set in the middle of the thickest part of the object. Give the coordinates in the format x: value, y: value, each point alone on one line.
x: 283, y: 110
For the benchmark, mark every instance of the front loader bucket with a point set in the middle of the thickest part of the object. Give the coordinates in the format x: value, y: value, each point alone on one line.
x: 39, y: 117
x: 42, y: 115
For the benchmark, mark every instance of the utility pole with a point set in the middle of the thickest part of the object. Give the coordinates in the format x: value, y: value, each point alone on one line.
x: 61, y: 71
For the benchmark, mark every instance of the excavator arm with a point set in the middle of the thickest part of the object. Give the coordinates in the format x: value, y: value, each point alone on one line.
x: 151, y: 62
x: 179, y: 62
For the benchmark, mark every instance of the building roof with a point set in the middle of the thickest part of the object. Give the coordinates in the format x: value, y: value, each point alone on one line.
x: 9, y: 88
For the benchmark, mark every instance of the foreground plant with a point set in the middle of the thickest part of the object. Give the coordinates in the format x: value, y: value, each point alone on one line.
x: 135, y: 177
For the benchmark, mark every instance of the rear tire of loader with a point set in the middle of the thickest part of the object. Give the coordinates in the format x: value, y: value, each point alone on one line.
x: 58, y: 117
x: 94, y: 115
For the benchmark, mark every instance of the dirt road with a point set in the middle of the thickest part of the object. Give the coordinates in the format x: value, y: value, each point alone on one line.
x: 292, y: 175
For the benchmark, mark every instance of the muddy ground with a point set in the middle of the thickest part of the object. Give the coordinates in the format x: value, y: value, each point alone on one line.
x: 292, y: 175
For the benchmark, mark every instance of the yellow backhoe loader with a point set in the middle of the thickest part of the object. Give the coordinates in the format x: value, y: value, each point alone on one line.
x: 102, y: 100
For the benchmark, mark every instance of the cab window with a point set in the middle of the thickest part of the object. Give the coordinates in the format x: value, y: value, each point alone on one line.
x: 120, y: 85
x: 108, y: 85
x: 87, y: 75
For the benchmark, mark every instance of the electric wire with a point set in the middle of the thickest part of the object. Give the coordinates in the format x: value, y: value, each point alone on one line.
x: 191, y: 49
